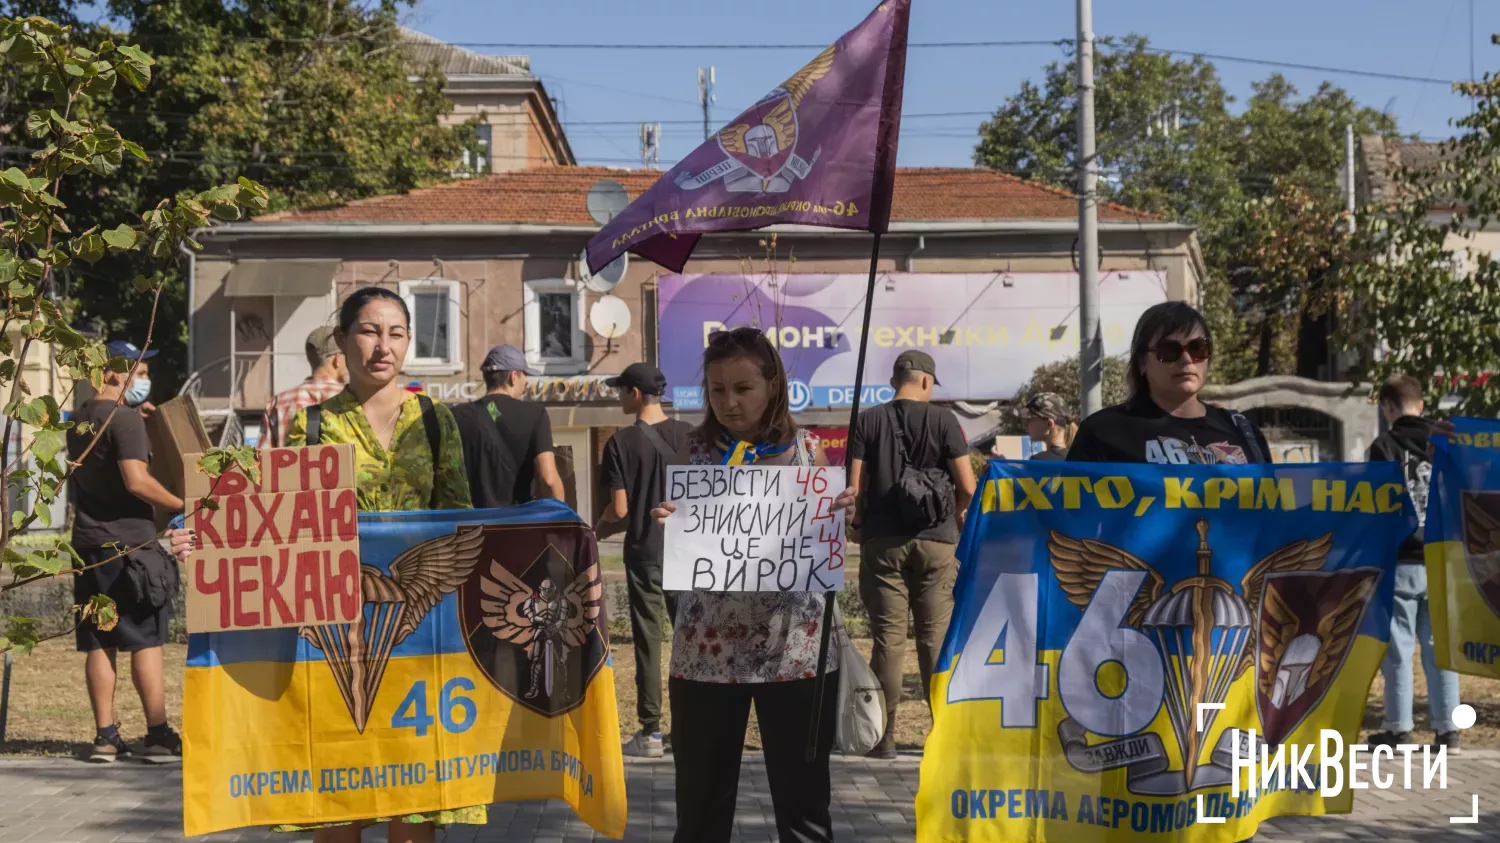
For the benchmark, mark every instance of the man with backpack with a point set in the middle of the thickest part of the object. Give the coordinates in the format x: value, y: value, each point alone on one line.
x: 634, y: 476
x: 508, y: 450
x: 910, y: 464
x: 1407, y: 443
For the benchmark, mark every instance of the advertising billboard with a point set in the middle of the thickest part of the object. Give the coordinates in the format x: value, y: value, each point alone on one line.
x: 987, y: 331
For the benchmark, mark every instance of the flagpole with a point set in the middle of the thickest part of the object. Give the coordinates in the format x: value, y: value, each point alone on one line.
x: 831, y: 597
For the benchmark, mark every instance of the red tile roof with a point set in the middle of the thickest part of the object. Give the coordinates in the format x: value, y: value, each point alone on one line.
x: 555, y: 195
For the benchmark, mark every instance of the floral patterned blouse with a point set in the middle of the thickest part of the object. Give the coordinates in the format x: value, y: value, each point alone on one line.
x: 402, y: 479
x: 749, y: 636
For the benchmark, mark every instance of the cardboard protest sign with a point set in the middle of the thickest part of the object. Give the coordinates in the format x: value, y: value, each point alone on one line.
x: 754, y: 528
x: 278, y: 554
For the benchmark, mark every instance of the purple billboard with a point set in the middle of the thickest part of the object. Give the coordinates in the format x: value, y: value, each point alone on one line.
x: 987, y: 331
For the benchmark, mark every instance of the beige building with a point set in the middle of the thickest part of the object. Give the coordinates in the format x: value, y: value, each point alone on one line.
x: 495, y: 259
x: 518, y: 125
x: 1376, y: 166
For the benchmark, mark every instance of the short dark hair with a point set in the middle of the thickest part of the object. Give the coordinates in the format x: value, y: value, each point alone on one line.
x: 1157, y: 323
x: 1400, y: 390
x: 902, y: 377
x: 497, y: 378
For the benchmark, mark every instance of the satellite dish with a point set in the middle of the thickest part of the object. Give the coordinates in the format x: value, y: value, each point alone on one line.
x: 606, y: 199
x: 605, y: 279
x: 610, y: 317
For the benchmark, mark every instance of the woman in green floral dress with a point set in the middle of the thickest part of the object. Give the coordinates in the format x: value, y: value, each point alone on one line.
x: 397, y: 471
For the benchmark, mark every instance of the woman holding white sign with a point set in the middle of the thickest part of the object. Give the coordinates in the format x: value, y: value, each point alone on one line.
x: 409, y: 457
x: 733, y: 649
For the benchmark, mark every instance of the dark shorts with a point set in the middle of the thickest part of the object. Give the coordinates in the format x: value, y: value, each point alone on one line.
x: 140, y: 627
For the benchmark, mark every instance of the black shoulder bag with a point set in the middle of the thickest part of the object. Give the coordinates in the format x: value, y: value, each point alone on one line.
x: 668, y: 453
x: 924, y: 496
x: 429, y: 421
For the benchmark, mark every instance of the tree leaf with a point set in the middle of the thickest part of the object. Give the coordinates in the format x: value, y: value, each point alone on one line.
x: 121, y: 238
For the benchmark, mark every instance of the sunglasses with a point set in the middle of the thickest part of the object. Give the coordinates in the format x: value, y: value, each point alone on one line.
x: 1170, y: 351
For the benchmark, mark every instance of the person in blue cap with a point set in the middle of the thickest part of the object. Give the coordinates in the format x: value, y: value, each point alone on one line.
x: 114, y: 532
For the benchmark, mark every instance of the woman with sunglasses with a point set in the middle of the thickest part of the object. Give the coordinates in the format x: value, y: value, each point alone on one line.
x: 730, y: 650
x: 1163, y: 421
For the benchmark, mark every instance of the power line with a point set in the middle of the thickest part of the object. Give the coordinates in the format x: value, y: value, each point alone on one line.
x: 1318, y: 68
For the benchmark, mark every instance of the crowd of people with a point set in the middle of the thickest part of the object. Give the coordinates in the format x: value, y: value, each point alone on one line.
x: 910, y: 483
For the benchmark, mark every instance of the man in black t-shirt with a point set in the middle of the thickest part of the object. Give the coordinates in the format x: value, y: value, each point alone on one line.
x: 905, y: 564
x: 114, y: 532
x: 634, y: 474
x: 508, y: 450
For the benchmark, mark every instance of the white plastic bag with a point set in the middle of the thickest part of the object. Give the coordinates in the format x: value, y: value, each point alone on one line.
x: 861, y: 712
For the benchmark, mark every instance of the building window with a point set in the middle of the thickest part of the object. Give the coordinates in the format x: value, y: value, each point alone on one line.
x: 554, y: 326
x: 436, y: 346
x: 478, y: 161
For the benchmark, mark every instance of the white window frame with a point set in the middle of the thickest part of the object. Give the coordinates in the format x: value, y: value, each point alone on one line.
x: 531, y: 298
x: 435, y: 365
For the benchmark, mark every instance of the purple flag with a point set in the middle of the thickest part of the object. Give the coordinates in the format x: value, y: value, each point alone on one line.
x: 818, y: 150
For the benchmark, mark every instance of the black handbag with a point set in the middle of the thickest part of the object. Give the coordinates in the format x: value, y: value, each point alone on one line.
x: 152, y: 576
x: 924, y: 496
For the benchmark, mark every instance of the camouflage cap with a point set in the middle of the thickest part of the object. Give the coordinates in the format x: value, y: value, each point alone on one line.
x: 320, y: 341
x: 1047, y: 405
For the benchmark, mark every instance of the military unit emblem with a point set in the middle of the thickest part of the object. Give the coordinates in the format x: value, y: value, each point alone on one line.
x: 1481, y: 516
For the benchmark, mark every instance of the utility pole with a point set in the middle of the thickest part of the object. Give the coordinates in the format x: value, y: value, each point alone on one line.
x: 650, y: 144
x: 706, y: 79
x: 1090, y: 350
x: 1349, y: 173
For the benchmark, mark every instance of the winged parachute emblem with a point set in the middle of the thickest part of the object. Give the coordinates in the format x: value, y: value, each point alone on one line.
x: 545, y: 622
x: 394, y: 607
x: 1201, y: 628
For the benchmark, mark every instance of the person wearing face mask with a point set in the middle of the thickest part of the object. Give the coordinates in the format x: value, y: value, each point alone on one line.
x: 114, y: 533
x: 1163, y: 421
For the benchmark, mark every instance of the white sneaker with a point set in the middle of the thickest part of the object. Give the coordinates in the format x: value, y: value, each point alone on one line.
x: 643, y: 745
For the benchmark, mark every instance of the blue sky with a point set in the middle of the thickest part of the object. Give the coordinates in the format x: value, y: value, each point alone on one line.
x: 594, y: 86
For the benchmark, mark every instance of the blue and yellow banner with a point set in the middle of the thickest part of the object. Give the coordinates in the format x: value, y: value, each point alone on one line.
x: 1119, y: 629
x: 479, y: 673
x: 1462, y: 539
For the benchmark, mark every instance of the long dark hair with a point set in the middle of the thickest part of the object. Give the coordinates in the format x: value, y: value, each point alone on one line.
x: 752, y: 345
x: 349, y: 310
x: 1157, y: 323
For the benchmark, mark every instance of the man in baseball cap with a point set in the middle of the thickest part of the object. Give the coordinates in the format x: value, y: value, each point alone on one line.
x: 908, y: 562
x: 508, y: 449
x: 1048, y: 424
x: 634, y: 473
x: 329, y: 372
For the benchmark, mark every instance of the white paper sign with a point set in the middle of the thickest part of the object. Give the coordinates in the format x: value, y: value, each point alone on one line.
x: 754, y: 528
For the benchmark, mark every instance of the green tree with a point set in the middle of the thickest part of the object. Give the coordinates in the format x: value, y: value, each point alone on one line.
x: 316, y: 101
x: 1171, y: 144
x: 37, y: 241
x: 1420, y: 291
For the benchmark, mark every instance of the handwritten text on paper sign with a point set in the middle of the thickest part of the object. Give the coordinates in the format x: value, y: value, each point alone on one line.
x: 278, y: 554
x: 754, y: 528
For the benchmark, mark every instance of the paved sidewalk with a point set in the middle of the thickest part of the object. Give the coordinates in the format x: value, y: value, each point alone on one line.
x: 65, y: 801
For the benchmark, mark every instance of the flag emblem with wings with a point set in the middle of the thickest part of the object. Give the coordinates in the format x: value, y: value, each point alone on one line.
x: 1201, y: 626
x: 1307, y: 624
x: 533, y: 617
x: 1481, y: 519
x: 762, y: 142
x: 394, y: 606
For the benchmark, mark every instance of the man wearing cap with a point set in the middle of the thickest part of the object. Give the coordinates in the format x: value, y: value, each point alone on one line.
x: 114, y: 533
x: 329, y: 373
x: 635, y: 476
x: 1048, y: 424
x: 910, y: 464
x: 508, y: 450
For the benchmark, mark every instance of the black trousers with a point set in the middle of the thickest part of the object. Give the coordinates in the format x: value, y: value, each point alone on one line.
x: 708, y: 737
x: 650, y: 611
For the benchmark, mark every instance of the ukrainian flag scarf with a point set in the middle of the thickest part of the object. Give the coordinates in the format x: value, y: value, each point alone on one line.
x: 737, y: 452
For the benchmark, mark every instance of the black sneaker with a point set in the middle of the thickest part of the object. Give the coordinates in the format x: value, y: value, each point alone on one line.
x: 1389, y: 738
x: 164, y: 748
x: 107, y: 749
x: 1447, y: 739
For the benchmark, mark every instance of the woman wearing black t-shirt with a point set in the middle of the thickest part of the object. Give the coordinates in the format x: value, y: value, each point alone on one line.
x: 1163, y: 421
